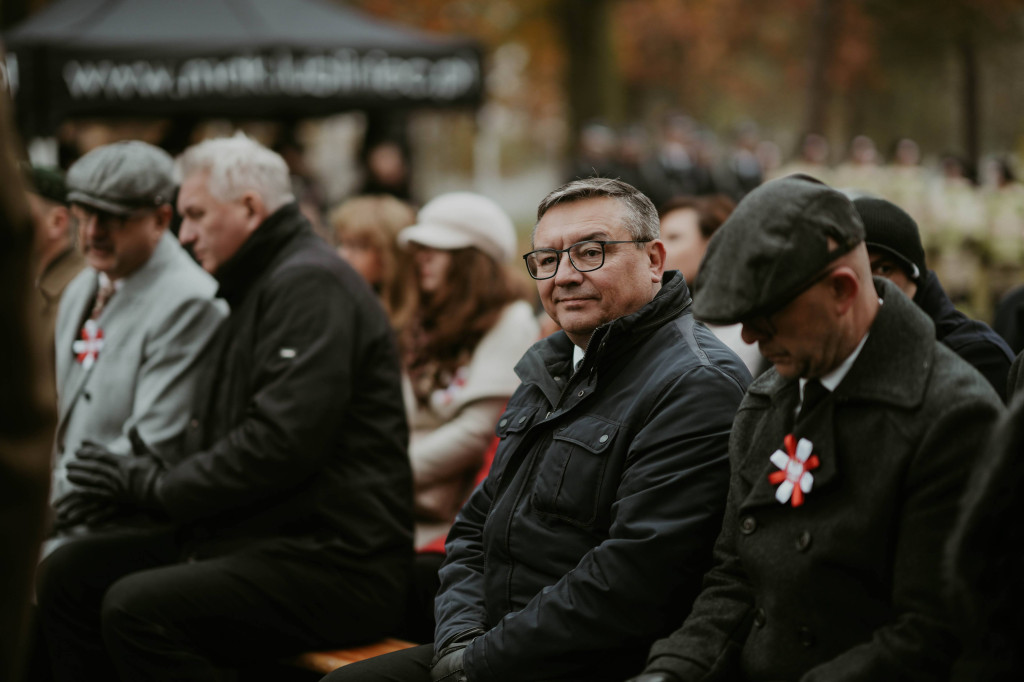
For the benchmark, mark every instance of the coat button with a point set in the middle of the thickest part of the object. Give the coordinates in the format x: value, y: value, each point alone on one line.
x: 580, y: 394
x: 803, y: 543
x: 87, y: 395
x: 603, y: 439
x: 748, y: 525
x: 760, y: 618
x: 806, y: 636
x: 503, y: 422
x: 522, y: 419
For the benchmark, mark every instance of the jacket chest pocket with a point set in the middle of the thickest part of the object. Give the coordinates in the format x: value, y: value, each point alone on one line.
x: 571, y: 474
x: 509, y: 429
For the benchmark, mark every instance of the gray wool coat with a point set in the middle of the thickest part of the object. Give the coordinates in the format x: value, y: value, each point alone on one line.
x: 847, y: 586
x: 155, y: 329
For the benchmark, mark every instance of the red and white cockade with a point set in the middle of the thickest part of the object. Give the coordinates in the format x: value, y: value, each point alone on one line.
x: 794, y: 478
x: 87, y: 349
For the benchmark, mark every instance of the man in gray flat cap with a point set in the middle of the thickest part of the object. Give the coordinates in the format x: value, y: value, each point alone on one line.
x: 848, y: 459
x: 131, y: 326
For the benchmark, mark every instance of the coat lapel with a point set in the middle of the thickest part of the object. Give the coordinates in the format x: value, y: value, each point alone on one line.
x: 818, y: 428
x: 73, y: 377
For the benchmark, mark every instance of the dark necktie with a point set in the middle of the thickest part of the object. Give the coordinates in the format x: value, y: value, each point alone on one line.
x: 814, y: 392
x: 103, y: 293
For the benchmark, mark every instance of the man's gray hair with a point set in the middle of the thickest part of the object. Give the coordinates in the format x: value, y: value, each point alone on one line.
x: 238, y: 165
x: 641, y: 218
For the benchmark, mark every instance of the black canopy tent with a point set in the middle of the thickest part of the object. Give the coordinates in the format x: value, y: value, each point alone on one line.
x: 227, y: 58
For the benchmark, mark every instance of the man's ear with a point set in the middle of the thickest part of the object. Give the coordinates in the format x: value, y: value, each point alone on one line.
x: 164, y: 213
x: 844, y: 286
x: 255, y: 209
x: 58, y: 223
x: 656, y: 255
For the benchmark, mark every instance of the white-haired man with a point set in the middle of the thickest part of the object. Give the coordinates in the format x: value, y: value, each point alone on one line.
x: 292, y: 505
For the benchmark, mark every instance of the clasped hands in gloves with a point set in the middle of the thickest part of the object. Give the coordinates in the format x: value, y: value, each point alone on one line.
x: 447, y: 663
x: 108, y: 482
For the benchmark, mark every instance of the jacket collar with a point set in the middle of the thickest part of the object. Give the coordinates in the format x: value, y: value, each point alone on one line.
x: 58, y: 273
x: 934, y: 301
x: 239, y: 272
x: 882, y: 373
x: 139, y: 281
x: 552, y: 357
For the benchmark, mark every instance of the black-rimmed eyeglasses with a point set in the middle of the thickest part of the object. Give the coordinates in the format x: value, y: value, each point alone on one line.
x: 584, y: 256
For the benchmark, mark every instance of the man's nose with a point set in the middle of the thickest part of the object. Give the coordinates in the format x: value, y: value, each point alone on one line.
x: 752, y: 334
x: 91, y: 226
x: 566, y: 272
x: 186, y: 235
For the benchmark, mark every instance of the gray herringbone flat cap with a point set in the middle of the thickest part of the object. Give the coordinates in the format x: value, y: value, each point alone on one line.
x: 773, y: 246
x: 122, y: 177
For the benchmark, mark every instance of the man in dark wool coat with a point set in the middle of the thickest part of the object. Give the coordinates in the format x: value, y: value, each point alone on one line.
x: 292, y: 504
x: 848, y: 460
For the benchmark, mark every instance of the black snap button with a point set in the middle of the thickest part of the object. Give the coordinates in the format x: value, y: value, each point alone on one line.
x: 748, y: 525
x: 87, y: 395
x: 806, y: 636
x: 522, y: 419
x: 803, y: 542
x: 503, y: 422
x: 580, y: 394
x: 760, y: 618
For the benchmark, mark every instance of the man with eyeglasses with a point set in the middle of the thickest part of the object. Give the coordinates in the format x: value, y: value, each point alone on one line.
x: 848, y: 460
x: 131, y: 326
x: 596, y: 521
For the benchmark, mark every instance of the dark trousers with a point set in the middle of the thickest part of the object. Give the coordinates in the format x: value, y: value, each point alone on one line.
x: 122, y: 606
x: 408, y: 665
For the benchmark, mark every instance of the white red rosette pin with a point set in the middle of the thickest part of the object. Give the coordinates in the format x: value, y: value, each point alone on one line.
x: 794, y: 478
x: 87, y: 348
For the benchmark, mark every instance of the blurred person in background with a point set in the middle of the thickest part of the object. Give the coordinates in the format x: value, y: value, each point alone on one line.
x: 676, y: 157
x: 861, y: 170
x: 906, y: 185
x: 687, y: 224
x: 956, y: 249
x: 1003, y: 196
x: 290, y: 505
x: 812, y: 159
x: 985, y: 559
x: 365, y: 231
x: 895, y: 252
x: 469, y: 325
x: 636, y: 165
x: 57, y: 259
x: 596, y: 156
x: 131, y: 330
x: 26, y: 411
x: 387, y: 169
x: 741, y: 170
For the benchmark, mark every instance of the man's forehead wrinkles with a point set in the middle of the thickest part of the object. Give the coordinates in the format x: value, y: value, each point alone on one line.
x: 583, y: 230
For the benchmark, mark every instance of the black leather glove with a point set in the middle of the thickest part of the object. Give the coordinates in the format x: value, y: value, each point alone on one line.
x: 79, y: 508
x: 447, y: 663
x: 130, y: 481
